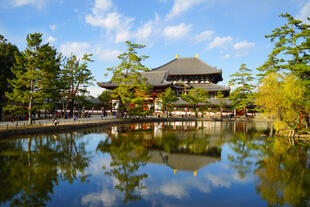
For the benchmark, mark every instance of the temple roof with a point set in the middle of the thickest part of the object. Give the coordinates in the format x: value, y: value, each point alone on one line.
x: 213, y: 101
x: 210, y: 86
x: 180, y: 161
x: 154, y: 78
x: 187, y: 66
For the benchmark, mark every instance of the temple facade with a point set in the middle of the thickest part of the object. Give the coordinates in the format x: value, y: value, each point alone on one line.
x: 182, y: 74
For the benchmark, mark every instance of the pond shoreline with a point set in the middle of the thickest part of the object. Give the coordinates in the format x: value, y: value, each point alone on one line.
x: 35, y: 129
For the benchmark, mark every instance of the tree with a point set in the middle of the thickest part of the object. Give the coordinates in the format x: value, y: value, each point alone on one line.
x: 168, y: 98
x: 132, y: 88
x: 196, y: 96
x: 31, y: 73
x: 291, y: 54
x: 76, y: 77
x: 105, y: 98
x: 220, y: 98
x: 283, y: 174
x: 51, y: 78
x: 281, y: 98
x: 128, y: 155
x: 242, y: 96
x: 7, y: 60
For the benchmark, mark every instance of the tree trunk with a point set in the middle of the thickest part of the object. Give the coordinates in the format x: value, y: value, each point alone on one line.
x: 245, y: 112
x: 29, y: 112
x: 1, y: 114
x: 71, y: 107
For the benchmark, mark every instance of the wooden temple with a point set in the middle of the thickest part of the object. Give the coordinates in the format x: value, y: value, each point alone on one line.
x: 182, y: 74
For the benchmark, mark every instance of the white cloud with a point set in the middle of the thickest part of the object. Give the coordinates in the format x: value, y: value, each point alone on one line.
x: 226, y: 56
x: 37, y: 3
x: 102, y: 6
x: 104, y: 198
x: 304, y: 13
x: 180, y: 6
x: 176, y: 32
x: 51, y: 39
x: 173, y: 190
x: 219, y: 180
x: 110, y: 21
x: 52, y: 27
x: 144, y: 32
x: 220, y: 42
x: 76, y: 48
x: 242, y: 48
x: 204, y: 36
x: 107, y: 55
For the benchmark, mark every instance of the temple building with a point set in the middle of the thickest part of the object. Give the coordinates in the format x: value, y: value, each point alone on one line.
x: 182, y: 74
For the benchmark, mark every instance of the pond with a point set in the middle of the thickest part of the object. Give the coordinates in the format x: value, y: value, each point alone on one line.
x: 156, y: 164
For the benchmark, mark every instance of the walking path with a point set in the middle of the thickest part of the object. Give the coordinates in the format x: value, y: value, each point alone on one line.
x: 49, y: 122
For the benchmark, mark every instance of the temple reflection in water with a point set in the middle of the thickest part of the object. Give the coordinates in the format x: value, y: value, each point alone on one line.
x: 183, y: 146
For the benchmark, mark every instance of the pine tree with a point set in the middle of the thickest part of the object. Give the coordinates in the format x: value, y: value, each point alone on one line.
x: 291, y: 54
x: 168, y: 98
x: 242, y: 96
x: 132, y: 88
x: 220, y: 98
x: 7, y: 60
x: 196, y: 96
x: 27, y: 94
x: 75, y: 79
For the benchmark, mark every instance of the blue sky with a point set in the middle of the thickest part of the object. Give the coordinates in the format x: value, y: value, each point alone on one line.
x: 225, y: 33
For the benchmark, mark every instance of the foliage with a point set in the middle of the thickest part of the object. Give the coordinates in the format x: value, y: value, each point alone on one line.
x: 242, y: 96
x: 32, y: 72
x: 128, y: 155
x: 31, y: 168
x: 51, y: 77
x: 220, y: 98
x: 284, y: 174
x: 291, y: 54
x: 132, y: 88
x: 76, y: 77
x: 168, y: 98
x: 105, y: 98
x: 196, y: 96
x: 7, y: 60
x: 291, y: 49
x: 281, y: 99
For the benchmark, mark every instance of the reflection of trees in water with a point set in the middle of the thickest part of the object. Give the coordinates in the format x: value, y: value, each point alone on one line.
x: 30, y: 168
x: 284, y: 174
x: 128, y: 155
x: 244, y: 146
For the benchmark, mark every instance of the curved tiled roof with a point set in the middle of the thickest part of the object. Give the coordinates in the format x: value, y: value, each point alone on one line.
x: 210, y: 86
x: 154, y: 78
x: 187, y: 66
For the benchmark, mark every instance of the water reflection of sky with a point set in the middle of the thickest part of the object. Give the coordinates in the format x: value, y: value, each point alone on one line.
x: 224, y: 179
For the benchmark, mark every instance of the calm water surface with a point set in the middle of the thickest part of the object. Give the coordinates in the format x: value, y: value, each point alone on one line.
x: 156, y: 164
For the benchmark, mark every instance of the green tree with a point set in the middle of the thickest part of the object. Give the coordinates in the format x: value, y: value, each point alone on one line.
x: 31, y: 75
x: 132, y: 88
x: 128, y: 155
x: 221, y: 99
x: 7, y: 60
x: 75, y: 79
x: 168, y: 98
x: 242, y: 96
x: 51, y: 77
x: 291, y: 54
x: 105, y: 98
x: 196, y: 96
